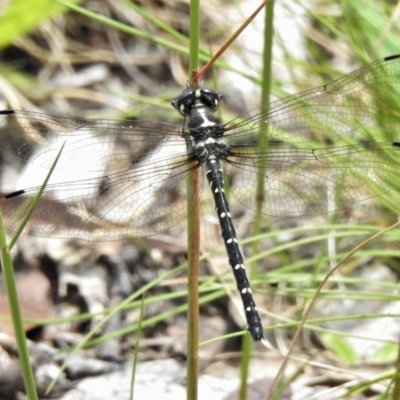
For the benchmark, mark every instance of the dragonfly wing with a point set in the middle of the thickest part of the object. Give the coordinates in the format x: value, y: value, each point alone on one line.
x: 300, y: 182
x: 341, y: 110
x: 113, y: 179
x: 317, y: 151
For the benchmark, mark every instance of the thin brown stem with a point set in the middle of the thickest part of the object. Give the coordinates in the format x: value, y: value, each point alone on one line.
x: 218, y: 54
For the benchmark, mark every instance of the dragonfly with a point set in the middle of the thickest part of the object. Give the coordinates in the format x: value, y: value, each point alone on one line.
x: 314, y: 152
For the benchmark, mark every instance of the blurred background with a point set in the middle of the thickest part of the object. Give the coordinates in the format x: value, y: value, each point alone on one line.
x: 127, y: 60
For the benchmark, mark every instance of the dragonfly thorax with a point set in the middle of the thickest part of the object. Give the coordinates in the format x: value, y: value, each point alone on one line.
x: 211, y: 148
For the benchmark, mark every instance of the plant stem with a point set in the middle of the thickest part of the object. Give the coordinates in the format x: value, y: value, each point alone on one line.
x: 12, y: 296
x: 193, y: 204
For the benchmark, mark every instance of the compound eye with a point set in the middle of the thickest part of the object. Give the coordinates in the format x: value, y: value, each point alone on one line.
x: 184, y: 102
x: 210, y: 98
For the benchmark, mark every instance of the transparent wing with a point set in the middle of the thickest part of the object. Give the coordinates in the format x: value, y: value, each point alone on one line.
x: 317, y: 153
x: 300, y: 182
x: 325, y: 113
x: 113, y: 180
x: 320, y: 149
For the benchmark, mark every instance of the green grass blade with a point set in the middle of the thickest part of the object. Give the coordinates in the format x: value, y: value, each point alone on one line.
x: 124, y: 28
x: 21, y: 18
x: 35, y: 201
x: 266, y: 88
x: 136, y: 350
x: 12, y: 294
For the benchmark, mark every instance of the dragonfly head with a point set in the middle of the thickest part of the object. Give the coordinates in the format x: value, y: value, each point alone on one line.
x: 191, y: 98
